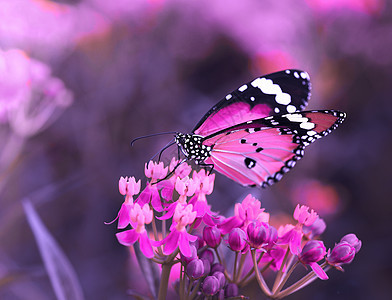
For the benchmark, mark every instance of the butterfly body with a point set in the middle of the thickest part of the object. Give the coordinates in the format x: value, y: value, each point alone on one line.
x: 258, y: 132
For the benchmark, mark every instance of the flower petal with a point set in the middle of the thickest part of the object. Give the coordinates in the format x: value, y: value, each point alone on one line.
x: 145, y: 245
x: 319, y: 271
x: 127, y: 237
x: 171, y: 242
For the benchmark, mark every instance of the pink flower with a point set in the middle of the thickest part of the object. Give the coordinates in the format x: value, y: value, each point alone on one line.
x: 292, y: 235
x: 244, y: 213
x: 303, y: 216
x: 150, y: 195
x: 185, y: 187
x: 155, y: 171
x: 139, y: 217
x: 182, y: 170
x: 178, y: 236
x: 312, y: 252
x: 204, y: 186
x: 128, y: 187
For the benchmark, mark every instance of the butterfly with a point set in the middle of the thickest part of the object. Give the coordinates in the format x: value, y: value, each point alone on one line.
x: 258, y: 132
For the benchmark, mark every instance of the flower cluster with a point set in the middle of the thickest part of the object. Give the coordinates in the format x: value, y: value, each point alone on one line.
x: 197, y: 237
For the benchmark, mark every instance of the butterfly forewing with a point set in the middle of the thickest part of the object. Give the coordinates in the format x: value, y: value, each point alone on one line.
x: 281, y: 92
x: 259, y: 152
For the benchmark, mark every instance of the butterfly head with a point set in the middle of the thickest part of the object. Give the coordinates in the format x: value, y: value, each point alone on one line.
x: 192, y: 147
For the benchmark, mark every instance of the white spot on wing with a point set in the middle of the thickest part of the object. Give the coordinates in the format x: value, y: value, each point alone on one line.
x: 304, y: 75
x: 276, y: 110
x: 307, y: 125
x: 269, y: 88
x: 243, y: 88
x: 228, y: 97
x: 296, y: 118
x: 291, y: 108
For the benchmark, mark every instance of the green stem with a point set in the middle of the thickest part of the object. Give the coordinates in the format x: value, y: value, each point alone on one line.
x: 235, y: 267
x: 304, y: 281
x: 259, y: 277
x: 285, y: 278
x: 166, y: 268
x: 223, y: 264
x: 280, y: 272
x: 241, y: 267
x: 250, y: 272
x: 245, y: 281
x: 155, y: 232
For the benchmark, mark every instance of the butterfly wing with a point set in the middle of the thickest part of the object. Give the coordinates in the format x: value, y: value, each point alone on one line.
x: 276, y: 93
x: 259, y: 152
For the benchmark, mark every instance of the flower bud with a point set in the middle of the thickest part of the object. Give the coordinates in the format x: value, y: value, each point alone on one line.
x: 258, y: 234
x: 313, y: 251
x: 221, y: 277
x: 316, y: 229
x: 212, y: 236
x: 195, y: 268
x: 210, y: 285
x: 273, y: 235
x: 217, y: 268
x: 342, y: 253
x: 187, y: 260
x: 207, y: 266
x: 231, y: 290
x: 352, y: 239
x: 209, y: 255
x: 237, y: 239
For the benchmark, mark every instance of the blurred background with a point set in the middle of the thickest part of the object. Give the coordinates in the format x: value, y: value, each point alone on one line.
x: 79, y: 79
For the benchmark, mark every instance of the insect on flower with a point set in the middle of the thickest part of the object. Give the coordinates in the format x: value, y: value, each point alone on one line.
x: 258, y: 132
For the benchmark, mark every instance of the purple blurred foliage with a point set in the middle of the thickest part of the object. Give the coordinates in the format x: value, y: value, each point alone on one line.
x: 141, y: 67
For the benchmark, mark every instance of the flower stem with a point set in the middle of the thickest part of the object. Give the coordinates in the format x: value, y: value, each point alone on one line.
x: 285, y: 277
x: 155, y: 232
x: 166, y: 268
x: 307, y: 279
x: 244, y: 280
x: 235, y: 266
x: 259, y: 277
x: 241, y: 266
x: 280, y: 272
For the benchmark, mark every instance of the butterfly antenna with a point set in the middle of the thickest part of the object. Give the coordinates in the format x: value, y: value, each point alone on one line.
x: 151, y: 135
x: 171, y: 143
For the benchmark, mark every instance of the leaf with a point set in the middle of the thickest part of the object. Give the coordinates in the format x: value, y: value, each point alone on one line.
x: 61, y: 273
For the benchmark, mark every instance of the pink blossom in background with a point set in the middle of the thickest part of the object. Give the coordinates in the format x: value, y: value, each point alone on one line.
x: 31, y: 97
x: 324, y: 198
x: 364, y: 6
x: 51, y: 28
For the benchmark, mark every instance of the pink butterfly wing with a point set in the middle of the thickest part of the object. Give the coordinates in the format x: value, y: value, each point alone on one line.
x: 261, y: 151
x: 280, y: 92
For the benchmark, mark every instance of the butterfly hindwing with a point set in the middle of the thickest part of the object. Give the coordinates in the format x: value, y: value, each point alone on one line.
x: 260, y: 151
x: 281, y: 92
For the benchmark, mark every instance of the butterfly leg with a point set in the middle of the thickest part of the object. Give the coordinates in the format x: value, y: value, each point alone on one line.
x: 172, y: 171
x: 211, y: 166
